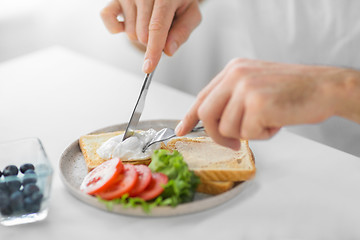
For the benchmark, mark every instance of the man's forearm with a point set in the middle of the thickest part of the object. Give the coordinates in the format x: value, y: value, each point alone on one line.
x: 344, y: 89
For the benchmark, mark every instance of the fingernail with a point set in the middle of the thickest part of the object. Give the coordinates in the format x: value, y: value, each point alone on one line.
x: 146, y: 66
x: 178, y: 127
x: 173, y: 47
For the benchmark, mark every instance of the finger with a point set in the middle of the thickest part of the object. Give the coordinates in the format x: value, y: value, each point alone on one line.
x: 182, y: 27
x: 109, y: 16
x: 144, y: 10
x: 191, y: 118
x: 231, y: 119
x: 210, y: 113
x: 160, y: 22
x: 256, y: 124
x: 272, y: 131
x: 129, y: 9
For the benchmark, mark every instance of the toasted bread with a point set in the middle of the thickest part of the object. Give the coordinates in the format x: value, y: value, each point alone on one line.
x: 213, y: 162
x: 214, y: 187
x: 207, y: 159
x: 90, y: 143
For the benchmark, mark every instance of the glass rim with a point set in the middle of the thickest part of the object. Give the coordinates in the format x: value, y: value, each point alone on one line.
x: 36, y: 140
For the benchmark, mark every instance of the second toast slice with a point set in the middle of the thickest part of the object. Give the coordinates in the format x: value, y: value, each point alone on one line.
x: 213, y: 162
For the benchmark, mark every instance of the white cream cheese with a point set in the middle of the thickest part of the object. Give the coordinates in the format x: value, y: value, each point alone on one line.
x: 130, y: 149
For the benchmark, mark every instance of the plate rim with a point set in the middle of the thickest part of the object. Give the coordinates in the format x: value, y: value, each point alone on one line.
x: 161, y: 211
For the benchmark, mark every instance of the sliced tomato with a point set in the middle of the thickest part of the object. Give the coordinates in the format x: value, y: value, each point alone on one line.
x: 144, y: 178
x: 155, y: 188
x: 102, y: 176
x: 125, y: 182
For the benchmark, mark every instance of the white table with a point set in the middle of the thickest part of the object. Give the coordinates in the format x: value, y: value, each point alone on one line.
x: 302, y: 190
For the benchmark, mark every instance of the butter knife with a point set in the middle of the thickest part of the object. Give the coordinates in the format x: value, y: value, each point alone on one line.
x: 139, y: 107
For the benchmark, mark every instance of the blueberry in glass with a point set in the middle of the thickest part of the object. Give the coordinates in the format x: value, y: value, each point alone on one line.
x: 10, y: 170
x: 7, y: 211
x: 13, y: 183
x: 30, y: 188
x: 17, y: 201
x: 26, y: 166
x: 31, y: 206
x: 4, y: 199
x: 4, y: 187
x: 29, y: 177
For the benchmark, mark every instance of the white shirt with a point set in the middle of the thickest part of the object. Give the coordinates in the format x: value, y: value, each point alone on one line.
x: 322, y: 32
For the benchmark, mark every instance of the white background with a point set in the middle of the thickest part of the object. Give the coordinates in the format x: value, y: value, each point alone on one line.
x: 310, y: 32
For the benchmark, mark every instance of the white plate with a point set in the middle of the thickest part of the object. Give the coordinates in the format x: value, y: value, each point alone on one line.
x: 73, y: 170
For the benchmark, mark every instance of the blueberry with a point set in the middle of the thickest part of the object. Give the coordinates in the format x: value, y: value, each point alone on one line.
x: 17, y: 201
x: 4, y: 200
x: 6, y: 211
x: 37, y: 197
x: 4, y: 187
x: 13, y: 183
x: 10, y: 170
x: 26, y: 166
x: 29, y: 178
x: 30, y: 205
x: 30, y: 188
x: 29, y: 171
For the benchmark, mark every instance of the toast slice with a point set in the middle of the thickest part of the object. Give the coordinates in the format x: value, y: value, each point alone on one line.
x: 90, y: 143
x: 214, y: 187
x: 213, y: 162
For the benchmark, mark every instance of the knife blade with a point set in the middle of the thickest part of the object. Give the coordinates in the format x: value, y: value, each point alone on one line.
x: 139, y: 107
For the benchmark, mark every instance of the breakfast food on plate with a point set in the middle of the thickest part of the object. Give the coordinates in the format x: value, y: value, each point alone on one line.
x: 218, y: 167
x: 167, y: 181
x: 113, y: 179
x: 97, y: 148
x: 213, y: 162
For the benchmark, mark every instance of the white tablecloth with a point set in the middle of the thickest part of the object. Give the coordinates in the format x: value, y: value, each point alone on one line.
x: 302, y: 189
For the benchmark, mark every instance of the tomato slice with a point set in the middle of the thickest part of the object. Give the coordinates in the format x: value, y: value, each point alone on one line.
x: 125, y: 182
x: 102, y: 176
x: 144, y: 178
x: 155, y: 187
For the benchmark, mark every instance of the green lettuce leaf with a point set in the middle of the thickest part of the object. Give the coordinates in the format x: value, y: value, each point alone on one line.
x: 182, y: 182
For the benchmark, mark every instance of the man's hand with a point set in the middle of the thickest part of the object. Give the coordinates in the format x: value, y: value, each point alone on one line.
x: 161, y: 25
x: 253, y: 99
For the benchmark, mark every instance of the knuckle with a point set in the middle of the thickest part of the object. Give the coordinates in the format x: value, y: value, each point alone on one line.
x: 201, y: 96
x: 202, y: 112
x: 205, y: 114
x: 182, y: 34
x: 156, y: 25
x: 197, y: 16
x: 106, y: 13
x: 240, y: 70
x: 245, y: 86
x: 256, y: 101
x: 238, y: 61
